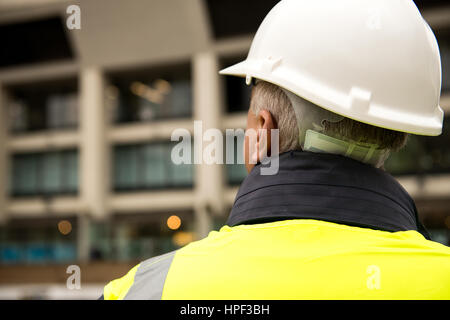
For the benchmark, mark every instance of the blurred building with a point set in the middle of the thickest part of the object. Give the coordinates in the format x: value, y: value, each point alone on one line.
x: 86, y: 123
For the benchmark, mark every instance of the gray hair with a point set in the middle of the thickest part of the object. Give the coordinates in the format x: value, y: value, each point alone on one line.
x: 266, y: 96
x: 272, y: 98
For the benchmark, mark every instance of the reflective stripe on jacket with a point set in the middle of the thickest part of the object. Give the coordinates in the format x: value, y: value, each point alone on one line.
x: 325, y: 227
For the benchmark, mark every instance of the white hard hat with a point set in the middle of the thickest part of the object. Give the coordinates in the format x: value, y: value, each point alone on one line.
x: 374, y: 61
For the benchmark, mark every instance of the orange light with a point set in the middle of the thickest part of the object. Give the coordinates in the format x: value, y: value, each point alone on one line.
x: 182, y: 238
x: 174, y: 222
x: 65, y: 227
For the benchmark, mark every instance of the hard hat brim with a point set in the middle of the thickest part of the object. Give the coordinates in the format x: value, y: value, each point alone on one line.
x: 237, y: 69
x: 432, y: 126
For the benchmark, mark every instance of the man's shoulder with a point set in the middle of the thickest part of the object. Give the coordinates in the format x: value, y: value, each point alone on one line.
x: 143, y: 281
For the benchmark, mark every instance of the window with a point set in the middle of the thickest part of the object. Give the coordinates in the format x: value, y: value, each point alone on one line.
x: 135, y: 237
x: 423, y: 155
x: 34, y: 42
x: 440, y: 235
x: 37, y: 241
x: 148, y: 95
x: 236, y: 17
x: 428, y: 4
x: 237, y: 92
x: 444, y: 47
x: 42, y: 106
x: 47, y: 173
x: 149, y: 166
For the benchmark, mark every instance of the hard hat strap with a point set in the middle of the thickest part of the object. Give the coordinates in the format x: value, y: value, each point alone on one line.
x: 363, y: 152
x: 310, y: 119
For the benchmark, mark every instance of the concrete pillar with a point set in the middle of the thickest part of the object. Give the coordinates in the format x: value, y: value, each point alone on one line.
x: 208, y: 109
x: 93, y: 155
x: 83, y: 238
x: 203, y: 220
x: 4, y: 177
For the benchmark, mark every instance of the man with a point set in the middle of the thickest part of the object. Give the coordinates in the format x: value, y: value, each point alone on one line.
x: 343, y: 82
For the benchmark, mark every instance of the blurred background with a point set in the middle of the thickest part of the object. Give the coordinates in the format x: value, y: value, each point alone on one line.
x: 86, y: 119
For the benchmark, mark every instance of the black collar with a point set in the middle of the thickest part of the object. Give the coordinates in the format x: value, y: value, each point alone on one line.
x: 325, y: 187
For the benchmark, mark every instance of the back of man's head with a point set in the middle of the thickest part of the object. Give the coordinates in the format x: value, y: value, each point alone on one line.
x: 275, y: 100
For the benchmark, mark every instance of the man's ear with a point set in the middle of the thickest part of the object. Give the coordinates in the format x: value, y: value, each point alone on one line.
x: 265, y: 123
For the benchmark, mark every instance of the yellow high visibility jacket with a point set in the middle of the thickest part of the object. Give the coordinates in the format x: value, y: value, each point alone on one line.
x: 294, y: 259
x: 340, y: 230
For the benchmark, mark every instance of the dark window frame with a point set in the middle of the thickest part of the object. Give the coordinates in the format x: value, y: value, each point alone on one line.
x: 35, y: 95
x: 236, y: 92
x: 180, y: 71
x: 141, y: 185
x: 36, y: 41
x: 428, y: 147
x: 232, y: 18
x: 39, y: 158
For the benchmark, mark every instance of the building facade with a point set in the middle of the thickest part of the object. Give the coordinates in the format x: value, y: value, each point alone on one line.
x: 87, y: 117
